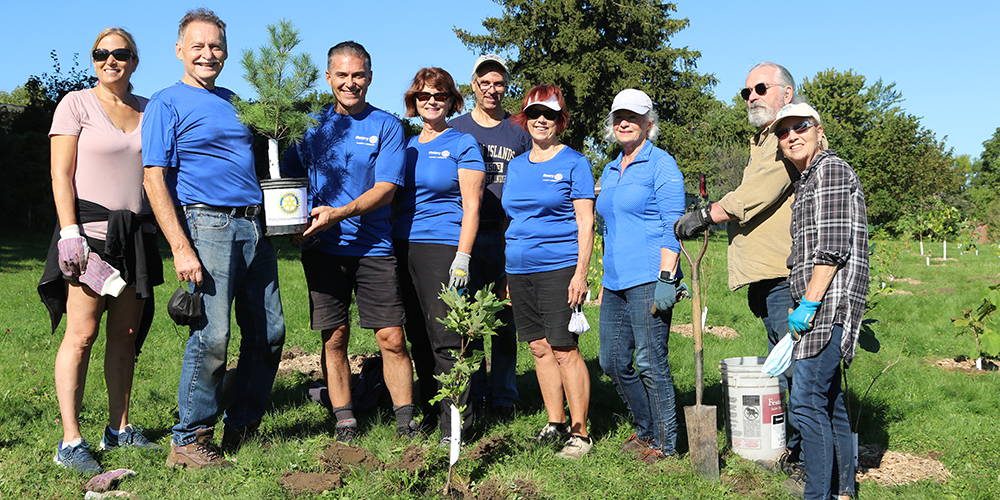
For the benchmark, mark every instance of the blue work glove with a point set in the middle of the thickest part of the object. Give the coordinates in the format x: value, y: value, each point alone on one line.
x: 800, y: 320
x: 693, y: 223
x: 73, y: 251
x: 458, y: 274
x: 665, y: 295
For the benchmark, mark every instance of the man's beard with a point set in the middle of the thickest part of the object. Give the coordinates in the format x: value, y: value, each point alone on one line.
x: 760, y: 114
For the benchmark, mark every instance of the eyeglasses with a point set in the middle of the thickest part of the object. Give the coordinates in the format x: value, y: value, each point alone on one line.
x: 439, y: 96
x: 120, y: 55
x: 535, y: 111
x: 499, y: 86
x: 760, y: 89
x: 800, y: 127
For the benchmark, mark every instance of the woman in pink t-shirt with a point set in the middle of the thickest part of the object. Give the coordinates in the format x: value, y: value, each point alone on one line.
x: 97, y: 168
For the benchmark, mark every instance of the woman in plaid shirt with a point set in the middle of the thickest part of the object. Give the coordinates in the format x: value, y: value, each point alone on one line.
x: 829, y: 280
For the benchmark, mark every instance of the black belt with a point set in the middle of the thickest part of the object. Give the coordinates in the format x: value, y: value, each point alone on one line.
x: 247, y: 211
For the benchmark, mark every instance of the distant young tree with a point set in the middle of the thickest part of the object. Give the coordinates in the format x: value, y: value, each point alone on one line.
x: 19, y: 96
x: 592, y: 49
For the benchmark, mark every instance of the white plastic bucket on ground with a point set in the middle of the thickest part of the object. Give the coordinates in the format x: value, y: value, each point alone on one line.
x: 285, y: 207
x: 755, y: 414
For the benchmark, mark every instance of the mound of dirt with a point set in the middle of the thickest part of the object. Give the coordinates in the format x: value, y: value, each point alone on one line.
x: 295, y: 359
x: 966, y: 365
x: 309, y: 483
x: 341, y: 458
x: 411, y: 461
x: 906, y: 280
x: 723, y: 332
x: 890, y: 468
x: 496, y: 489
x: 486, y: 447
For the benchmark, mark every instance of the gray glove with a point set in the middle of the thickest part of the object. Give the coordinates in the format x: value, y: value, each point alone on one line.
x: 458, y: 274
x: 693, y: 223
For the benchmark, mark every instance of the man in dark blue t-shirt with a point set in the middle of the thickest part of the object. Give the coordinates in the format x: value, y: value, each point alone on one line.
x: 500, y: 141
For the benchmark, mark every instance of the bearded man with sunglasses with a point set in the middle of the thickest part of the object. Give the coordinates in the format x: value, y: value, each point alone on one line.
x: 354, y: 160
x: 500, y: 141
x: 759, y: 214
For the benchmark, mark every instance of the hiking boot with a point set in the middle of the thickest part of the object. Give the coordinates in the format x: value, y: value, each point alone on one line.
x: 790, y: 465
x: 197, y: 454
x: 635, y: 445
x: 652, y: 455
x: 553, y: 432
x: 77, y: 458
x: 410, y: 431
x: 129, y: 437
x: 346, y: 434
x: 503, y: 413
x: 576, y: 447
x: 796, y: 482
x: 232, y: 438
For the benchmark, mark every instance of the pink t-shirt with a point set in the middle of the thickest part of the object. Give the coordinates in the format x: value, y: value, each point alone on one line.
x: 108, y: 161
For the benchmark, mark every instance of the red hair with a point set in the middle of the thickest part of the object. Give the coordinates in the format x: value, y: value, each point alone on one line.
x: 435, y: 78
x: 542, y: 93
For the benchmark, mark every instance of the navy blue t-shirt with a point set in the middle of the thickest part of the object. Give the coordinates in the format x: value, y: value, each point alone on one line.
x: 499, y: 145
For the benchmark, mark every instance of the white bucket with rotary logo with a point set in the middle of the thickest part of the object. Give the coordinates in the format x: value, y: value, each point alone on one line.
x: 755, y: 413
x: 285, y: 206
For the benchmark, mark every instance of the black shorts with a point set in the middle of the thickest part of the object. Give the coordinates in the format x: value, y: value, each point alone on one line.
x: 332, y: 278
x: 541, y: 306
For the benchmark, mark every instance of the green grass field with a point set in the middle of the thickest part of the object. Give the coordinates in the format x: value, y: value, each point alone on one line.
x: 914, y: 407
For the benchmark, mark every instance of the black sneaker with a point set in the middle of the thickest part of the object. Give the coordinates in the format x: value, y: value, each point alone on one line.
x: 503, y: 413
x: 553, y: 432
x: 411, y: 431
x: 346, y: 434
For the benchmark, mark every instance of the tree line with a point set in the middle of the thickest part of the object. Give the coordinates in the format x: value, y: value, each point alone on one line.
x: 593, y: 49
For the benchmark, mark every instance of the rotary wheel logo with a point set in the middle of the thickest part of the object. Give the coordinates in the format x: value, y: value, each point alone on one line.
x: 289, y: 203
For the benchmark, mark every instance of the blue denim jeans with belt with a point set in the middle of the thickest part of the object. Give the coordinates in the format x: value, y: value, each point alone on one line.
x: 238, y: 265
x: 818, y: 404
x: 644, y: 385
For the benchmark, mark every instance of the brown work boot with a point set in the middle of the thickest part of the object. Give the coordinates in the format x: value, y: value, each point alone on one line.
x: 197, y: 454
x: 635, y: 445
x: 232, y: 438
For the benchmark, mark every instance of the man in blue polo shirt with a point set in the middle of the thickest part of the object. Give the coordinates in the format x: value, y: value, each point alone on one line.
x: 500, y: 141
x: 202, y: 186
x: 354, y: 160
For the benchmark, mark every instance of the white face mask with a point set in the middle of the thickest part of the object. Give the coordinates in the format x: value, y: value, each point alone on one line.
x: 781, y: 356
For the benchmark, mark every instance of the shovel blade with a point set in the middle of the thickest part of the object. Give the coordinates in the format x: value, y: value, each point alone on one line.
x: 703, y: 441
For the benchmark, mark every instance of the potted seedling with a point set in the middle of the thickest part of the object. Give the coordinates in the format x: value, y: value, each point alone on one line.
x: 978, y: 323
x: 472, y: 319
x: 280, y: 79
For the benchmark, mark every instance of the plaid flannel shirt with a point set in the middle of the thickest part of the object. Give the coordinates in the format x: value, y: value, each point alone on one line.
x: 830, y: 227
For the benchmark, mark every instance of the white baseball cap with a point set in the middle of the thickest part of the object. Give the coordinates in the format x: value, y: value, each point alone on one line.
x: 551, y: 103
x: 633, y: 100
x: 489, y: 58
x: 798, y: 110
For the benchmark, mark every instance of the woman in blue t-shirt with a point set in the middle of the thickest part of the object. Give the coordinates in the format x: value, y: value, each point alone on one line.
x: 642, y: 194
x: 435, y: 220
x: 549, y: 198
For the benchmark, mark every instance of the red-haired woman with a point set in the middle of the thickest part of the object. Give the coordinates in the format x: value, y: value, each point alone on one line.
x: 549, y: 198
x: 435, y: 220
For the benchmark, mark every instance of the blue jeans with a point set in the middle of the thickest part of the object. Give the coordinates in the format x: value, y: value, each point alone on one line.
x: 645, y: 386
x: 770, y: 301
x: 487, y: 267
x: 239, y: 265
x: 818, y: 404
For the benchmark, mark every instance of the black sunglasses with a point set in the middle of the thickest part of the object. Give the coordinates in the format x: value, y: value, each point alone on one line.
x: 800, y: 127
x: 120, y: 55
x: 440, y: 96
x: 535, y: 111
x: 760, y: 89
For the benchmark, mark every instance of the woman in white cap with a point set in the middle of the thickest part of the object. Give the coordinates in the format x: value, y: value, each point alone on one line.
x: 829, y: 281
x: 642, y: 194
x: 549, y: 198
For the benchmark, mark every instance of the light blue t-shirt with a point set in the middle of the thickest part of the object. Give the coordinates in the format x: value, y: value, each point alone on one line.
x: 344, y: 156
x: 208, y: 153
x: 429, y: 205
x: 538, y: 198
x: 639, y: 209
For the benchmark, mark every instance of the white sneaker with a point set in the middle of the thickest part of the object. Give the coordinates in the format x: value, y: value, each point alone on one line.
x: 576, y: 447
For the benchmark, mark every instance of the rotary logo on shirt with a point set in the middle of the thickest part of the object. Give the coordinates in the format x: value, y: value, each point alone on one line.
x: 439, y: 155
x: 552, y: 177
x: 366, y: 141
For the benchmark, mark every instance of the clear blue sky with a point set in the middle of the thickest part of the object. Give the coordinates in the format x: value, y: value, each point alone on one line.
x: 936, y: 52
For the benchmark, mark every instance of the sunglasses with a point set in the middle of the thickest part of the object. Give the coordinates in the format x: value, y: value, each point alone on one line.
x: 535, y: 111
x: 760, y: 89
x: 439, y: 96
x: 799, y: 128
x: 120, y: 55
